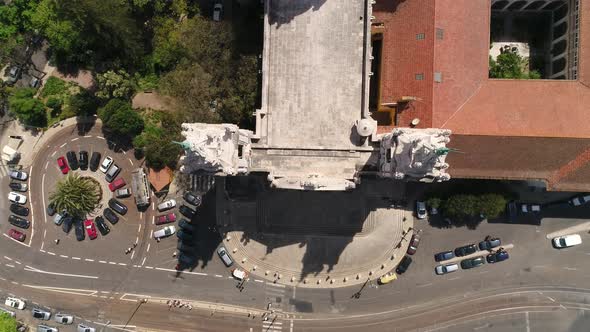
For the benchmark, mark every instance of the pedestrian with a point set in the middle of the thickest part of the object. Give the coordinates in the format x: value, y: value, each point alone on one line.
x: 56, y: 241
x: 135, y: 245
x: 158, y: 239
x: 174, y: 254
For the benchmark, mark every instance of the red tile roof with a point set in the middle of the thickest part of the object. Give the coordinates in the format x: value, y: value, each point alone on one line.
x: 160, y: 179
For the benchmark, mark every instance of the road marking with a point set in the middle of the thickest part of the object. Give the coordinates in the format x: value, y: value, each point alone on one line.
x: 24, y: 244
x: 219, y: 276
x: 132, y: 254
x: 143, y: 261
x: 136, y: 239
x: 425, y: 285
x: 122, y: 264
x: 570, y: 268
x: 17, y: 262
x: 32, y: 269
x: 276, y: 285
x: 130, y: 161
x: 551, y: 299
x: 149, y: 267
x: 528, y: 324
x: 54, y: 152
x: 14, y: 282
x: 112, y: 263
x: 153, y: 206
x: 455, y: 278
x: 74, y: 139
x: 139, y: 228
x: 100, y: 137
x: 258, y: 280
x: 8, y: 258
x: 44, y: 233
x: 88, y: 136
x: 42, y: 245
x: 104, y: 262
x: 76, y: 258
x: 75, y: 291
x: 148, y: 248
x: 153, y: 220
x: 291, y: 327
x: 64, y: 256
x: 125, y: 153
x: 43, y: 198
x: 9, y: 265
x: 51, y: 253
x: 61, y: 146
x: 46, y: 164
x: 89, y: 260
x: 32, y: 212
x: 151, y: 234
x: 135, y: 265
x: 41, y: 250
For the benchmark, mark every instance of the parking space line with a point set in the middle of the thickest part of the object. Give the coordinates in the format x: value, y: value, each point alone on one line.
x: 219, y: 276
x: 74, y: 139
x: 139, y: 228
x: 41, y: 250
x: 132, y: 254
x: 125, y: 153
x: 104, y: 262
x: 44, y: 233
x: 54, y: 152
x: 151, y: 234
x: 149, y: 244
x: 64, y: 256
x: 89, y: 260
x: 149, y: 267
x: 61, y: 146
x: 46, y: 164
x: 122, y: 264
x: 99, y: 137
x: 24, y: 244
x: 131, y: 161
x: 42, y: 245
x: 112, y: 263
x: 51, y: 253
x: 143, y: 261
x: 17, y: 262
x: 88, y: 136
x: 8, y: 258
x: 137, y: 239
x: 76, y: 258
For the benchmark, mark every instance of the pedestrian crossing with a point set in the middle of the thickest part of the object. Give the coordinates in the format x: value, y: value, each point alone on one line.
x: 275, y: 298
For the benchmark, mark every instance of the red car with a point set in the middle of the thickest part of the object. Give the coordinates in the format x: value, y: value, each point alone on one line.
x: 90, y: 229
x: 19, y: 236
x: 414, y: 242
x: 166, y: 218
x: 118, y: 183
x: 63, y: 165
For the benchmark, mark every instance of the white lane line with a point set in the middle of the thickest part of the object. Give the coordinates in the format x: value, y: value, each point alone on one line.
x: 124, y: 152
x: 41, y: 250
x: 88, y: 136
x: 54, y: 152
x: 122, y: 264
x: 43, y: 198
x: 132, y: 254
x: 14, y: 282
x: 570, y: 268
x: 46, y: 164
x: 143, y: 261
x: 44, y: 233
x: 64, y: 256
x: 51, y: 253
x: 153, y: 205
x: 32, y: 212
x: 135, y: 265
x: 8, y: 258
x: 148, y: 248
x: 425, y: 285
x: 17, y: 262
x: 32, y: 269
x: 89, y: 260
x: 112, y: 263
x: 130, y: 161
x: 24, y: 244
x: 550, y: 298
x: 153, y: 221
x: 99, y: 137
x: 74, y: 139
x: 149, y: 267
x: 151, y: 234
x: 139, y: 228
x: 291, y: 327
x: 258, y: 280
x: 9, y: 265
x: 104, y: 262
x: 140, y: 217
x: 76, y: 258
x: 42, y: 245
x: 136, y: 240
x: 61, y: 146
x: 455, y: 278
x: 528, y: 324
x: 219, y: 276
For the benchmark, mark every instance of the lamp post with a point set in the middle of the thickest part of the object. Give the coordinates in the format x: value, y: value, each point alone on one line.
x: 141, y: 301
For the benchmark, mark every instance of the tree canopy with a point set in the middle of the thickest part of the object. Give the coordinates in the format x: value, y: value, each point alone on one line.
x: 76, y: 194
x: 156, y: 140
x: 7, y: 323
x: 28, y: 109
x: 509, y: 64
x: 118, y: 116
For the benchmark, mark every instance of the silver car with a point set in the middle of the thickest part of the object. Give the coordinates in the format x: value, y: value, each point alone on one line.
x: 84, y: 328
x: 46, y: 328
x: 222, y: 252
x: 64, y: 318
x: 167, y: 205
x: 41, y: 314
x: 447, y: 268
x: 19, y: 175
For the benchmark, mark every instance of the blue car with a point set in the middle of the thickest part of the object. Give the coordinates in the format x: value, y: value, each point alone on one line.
x: 443, y: 256
x: 496, y: 257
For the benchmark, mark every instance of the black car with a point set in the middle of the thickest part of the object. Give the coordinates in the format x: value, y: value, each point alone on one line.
x: 472, y: 262
x: 498, y: 256
x: 94, y: 161
x: 443, y: 256
x: 51, y: 210
x: 186, y: 226
x: 110, y: 216
x: 193, y: 199
x: 403, y: 265
x: 119, y: 207
x: 72, y: 160
x: 489, y: 244
x: 186, y: 247
x: 20, y: 210
x: 186, y: 211
x: 83, y: 160
x: 102, y: 226
x: 184, y: 236
x: 79, y: 227
x: 66, y: 225
x: 465, y: 250
x: 16, y: 186
x: 18, y: 221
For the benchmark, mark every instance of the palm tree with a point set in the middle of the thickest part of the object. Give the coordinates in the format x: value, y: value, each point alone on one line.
x: 76, y: 194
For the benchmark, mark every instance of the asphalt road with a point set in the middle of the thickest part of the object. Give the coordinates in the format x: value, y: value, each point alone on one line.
x: 99, y: 283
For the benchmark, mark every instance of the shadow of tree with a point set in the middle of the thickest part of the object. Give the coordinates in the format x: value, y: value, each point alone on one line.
x: 283, y: 11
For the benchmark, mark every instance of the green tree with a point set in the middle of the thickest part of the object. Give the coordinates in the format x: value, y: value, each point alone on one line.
x: 461, y: 206
x: 14, y: 22
x: 434, y: 202
x: 76, y: 194
x: 54, y: 103
x: 82, y: 103
x: 7, y: 323
x: 54, y: 87
x: 510, y: 65
x: 118, y: 116
x: 27, y: 108
x: 491, y: 205
x: 156, y: 141
x: 114, y: 84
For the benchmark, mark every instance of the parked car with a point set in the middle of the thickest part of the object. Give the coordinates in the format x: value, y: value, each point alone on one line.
x: 66, y: 226
x: 489, y: 244
x: 465, y: 250
x: 41, y: 314
x: 22, y: 187
x: 110, y: 216
x: 94, y: 161
x: 20, y: 210
x: 167, y: 205
x: 567, y: 241
x: 102, y: 226
x: 19, y: 236
x: 72, y: 160
x: 530, y: 208
x: 58, y: 219
x: 18, y: 221
x: 443, y: 256
x: 184, y: 236
x: 193, y: 199
x: 186, y: 247
x: 19, y: 175
x: 403, y: 265
x: 112, y: 173
x: 186, y: 260
x: 579, y: 200
x: 165, y: 218
x: 164, y: 232
x: 119, y: 207
x: 414, y: 242
x: 64, y: 318
x: 123, y: 193
x: 35, y: 82
x: 118, y: 183
x: 83, y: 160
x: 186, y: 225
x: 85, y: 328
x: 17, y: 198
x: 472, y: 262
x: 387, y: 278
x: 217, y: 11
x: 225, y: 258
x: 498, y: 256
x: 106, y: 164
x: 186, y: 211
x: 447, y: 268
x: 46, y: 328
x: 420, y: 210
x: 15, y: 303
x: 79, y: 228
x: 511, y: 211
x: 63, y: 165
x: 51, y: 209
x: 90, y: 229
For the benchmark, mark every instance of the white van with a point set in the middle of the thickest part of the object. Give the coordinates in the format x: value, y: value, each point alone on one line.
x: 567, y: 241
x: 164, y: 232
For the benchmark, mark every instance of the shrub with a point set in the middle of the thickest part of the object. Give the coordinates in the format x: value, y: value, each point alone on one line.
x: 53, y: 103
x: 53, y: 87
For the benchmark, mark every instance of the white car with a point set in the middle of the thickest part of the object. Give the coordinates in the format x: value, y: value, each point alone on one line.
x: 19, y: 175
x: 448, y: 268
x: 106, y: 164
x: 164, y: 232
x: 13, y: 302
x: 167, y: 205
x: 528, y: 208
x: 217, y: 9
x: 579, y: 200
x: 567, y: 241
x: 17, y: 198
x: 420, y: 210
x: 64, y: 318
x: 84, y: 328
